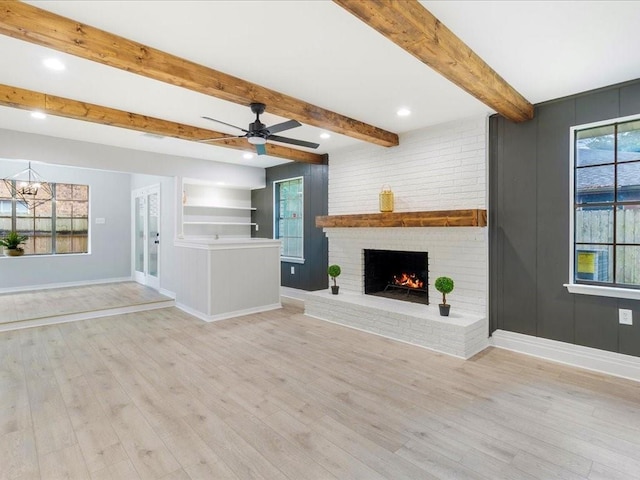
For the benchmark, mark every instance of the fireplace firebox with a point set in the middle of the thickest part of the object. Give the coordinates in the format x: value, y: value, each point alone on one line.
x: 397, y: 274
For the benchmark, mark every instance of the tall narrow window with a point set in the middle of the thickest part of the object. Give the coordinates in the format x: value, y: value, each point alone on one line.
x: 606, y: 204
x: 289, y: 223
x: 58, y: 226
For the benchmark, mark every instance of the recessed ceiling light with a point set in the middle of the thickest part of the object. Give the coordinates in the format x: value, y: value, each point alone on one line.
x: 403, y: 112
x: 38, y: 115
x: 54, y: 64
x: 325, y: 135
x: 247, y: 156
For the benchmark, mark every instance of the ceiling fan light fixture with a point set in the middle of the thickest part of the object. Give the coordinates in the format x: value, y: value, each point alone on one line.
x: 257, y: 140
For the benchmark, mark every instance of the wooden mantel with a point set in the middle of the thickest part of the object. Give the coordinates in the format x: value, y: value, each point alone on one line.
x: 443, y: 218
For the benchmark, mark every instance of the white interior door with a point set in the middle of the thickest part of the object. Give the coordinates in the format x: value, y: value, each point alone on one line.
x: 146, y: 236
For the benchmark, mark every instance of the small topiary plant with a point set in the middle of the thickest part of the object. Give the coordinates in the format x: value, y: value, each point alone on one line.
x: 334, y: 271
x: 444, y: 285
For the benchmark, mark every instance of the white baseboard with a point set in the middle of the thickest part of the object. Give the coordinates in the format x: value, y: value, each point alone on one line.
x: 49, y: 286
x: 224, y: 316
x: 74, y: 317
x: 611, y: 363
x: 167, y: 293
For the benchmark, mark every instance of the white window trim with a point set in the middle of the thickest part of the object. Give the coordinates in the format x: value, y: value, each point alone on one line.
x: 299, y: 260
x: 292, y: 260
x: 89, y: 230
x: 580, y: 288
x: 601, y: 291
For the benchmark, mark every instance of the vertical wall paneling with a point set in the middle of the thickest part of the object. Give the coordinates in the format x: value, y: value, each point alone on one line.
x: 597, y: 106
x: 630, y: 99
x: 495, y: 247
x: 529, y: 226
x: 629, y: 338
x: 519, y: 230
x: 555, y: 317
x: 312, y: 275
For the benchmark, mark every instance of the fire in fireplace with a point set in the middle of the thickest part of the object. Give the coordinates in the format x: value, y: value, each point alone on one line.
x: 397, y: 274
x: 409, y: 280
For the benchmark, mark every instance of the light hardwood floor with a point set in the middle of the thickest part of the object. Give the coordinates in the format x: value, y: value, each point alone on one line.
x: 39, y: 304
x: 161, y: 395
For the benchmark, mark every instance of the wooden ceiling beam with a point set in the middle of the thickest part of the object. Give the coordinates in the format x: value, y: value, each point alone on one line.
x: 65, y: 107
x: 41, y: 27
x: 413, y: 28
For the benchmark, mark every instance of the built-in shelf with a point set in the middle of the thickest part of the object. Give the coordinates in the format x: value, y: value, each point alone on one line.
x: 208, y: 210
x: 220, y: 223
x: 218, y: 207
x: 442, y: 218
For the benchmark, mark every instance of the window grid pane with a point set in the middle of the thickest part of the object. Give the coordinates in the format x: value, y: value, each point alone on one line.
x: 289, y: 222
x: 594, y: 263
x: 594, y: 224
x: 66, y: 231
x: 628, y: 265
x: 595, y: 146
x: 607, y: 205
x: 628, y: 141
x: 628, y: 182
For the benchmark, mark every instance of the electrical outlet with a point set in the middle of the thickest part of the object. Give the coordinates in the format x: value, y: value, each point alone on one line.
x: 625, y: 316
x: 293, y: 270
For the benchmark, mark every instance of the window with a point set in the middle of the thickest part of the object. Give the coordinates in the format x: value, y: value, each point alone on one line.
x: 288, y: 224
x: 55, y: 227
x: 606, y: 205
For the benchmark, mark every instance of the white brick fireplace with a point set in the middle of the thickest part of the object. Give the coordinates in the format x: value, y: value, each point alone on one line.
x: 438, y: 168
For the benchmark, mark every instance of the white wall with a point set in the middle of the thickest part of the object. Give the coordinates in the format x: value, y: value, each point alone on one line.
x: 18, y: 145
x: 167, y: 225
x: 110, y: 199
x: 109, y: 194
x: 437, y: 168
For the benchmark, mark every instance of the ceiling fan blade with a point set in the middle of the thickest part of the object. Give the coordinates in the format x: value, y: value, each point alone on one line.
x: 281, y: 127
x: 225, y: 123
x: 293, y: 141
x: 261, y: 150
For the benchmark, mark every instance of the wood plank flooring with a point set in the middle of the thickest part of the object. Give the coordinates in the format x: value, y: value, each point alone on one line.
x: 40, y: 304
x: 281, y: 396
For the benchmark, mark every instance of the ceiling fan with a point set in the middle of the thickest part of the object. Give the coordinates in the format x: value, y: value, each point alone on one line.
x: 259, y: 133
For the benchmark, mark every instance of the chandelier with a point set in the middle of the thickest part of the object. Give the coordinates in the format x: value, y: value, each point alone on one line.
x: 29, y: 187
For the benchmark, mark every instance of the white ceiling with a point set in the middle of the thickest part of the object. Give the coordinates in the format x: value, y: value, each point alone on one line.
x: 319, y: 53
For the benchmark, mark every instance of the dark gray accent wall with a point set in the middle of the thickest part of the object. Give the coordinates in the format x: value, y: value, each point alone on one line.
x: 312, y: 275
x: 529, y: 226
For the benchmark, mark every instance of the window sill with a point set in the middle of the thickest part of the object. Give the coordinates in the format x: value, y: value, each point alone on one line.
x: 47, y: 255
x: 292, y: 260
x: 615, y: 292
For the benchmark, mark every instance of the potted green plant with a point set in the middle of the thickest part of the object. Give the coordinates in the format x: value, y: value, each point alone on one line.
x: 334, y: 271
x: 444, y: 285
x: 11, y: 243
